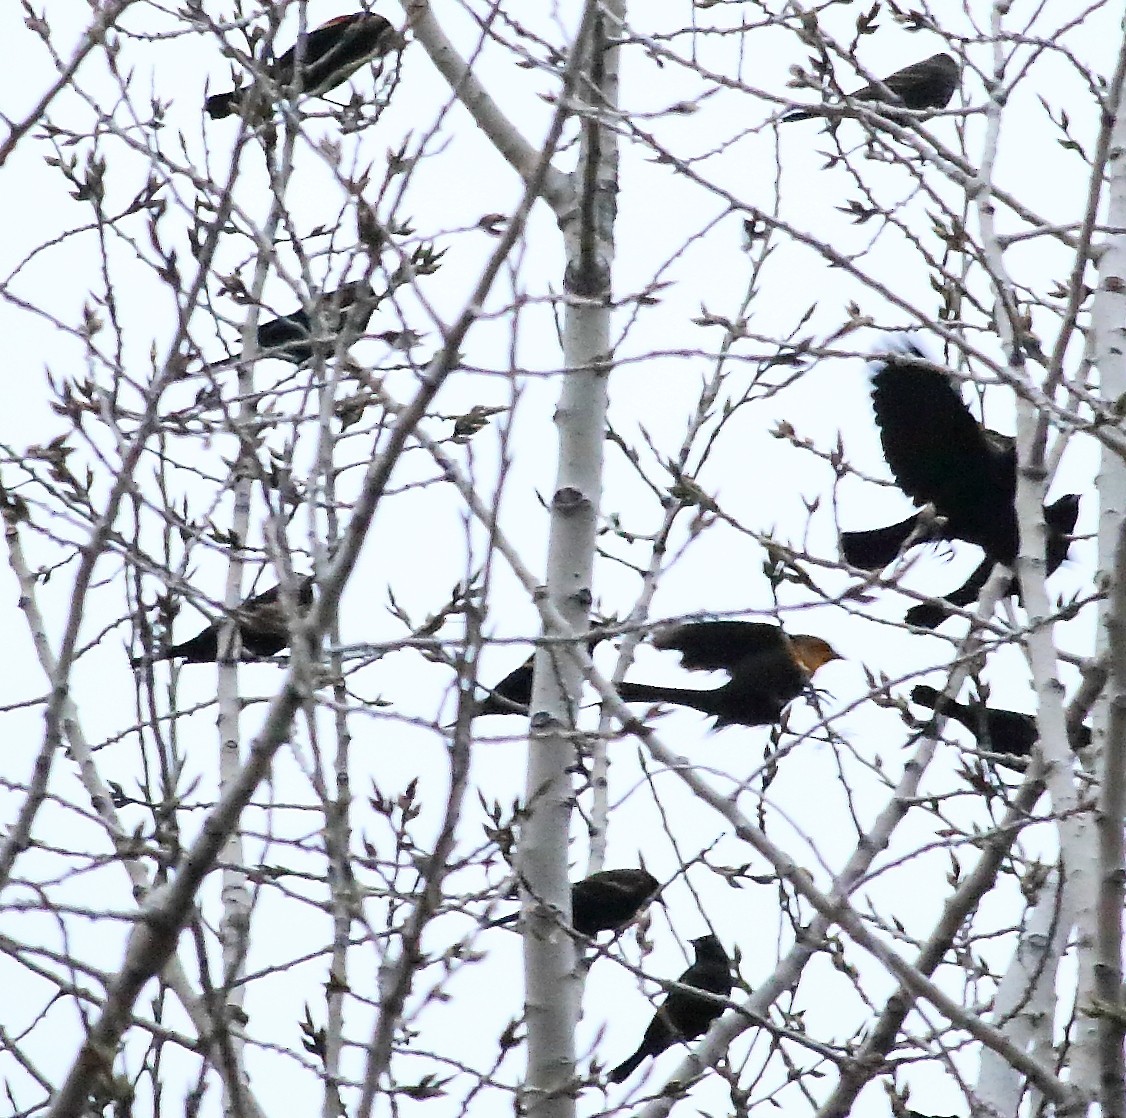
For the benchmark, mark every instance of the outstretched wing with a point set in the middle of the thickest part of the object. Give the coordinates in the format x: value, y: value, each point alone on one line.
x: 935, y: 448
x: 721, y: 645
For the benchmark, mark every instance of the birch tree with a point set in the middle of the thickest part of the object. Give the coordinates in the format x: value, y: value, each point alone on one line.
x: 576, y: 339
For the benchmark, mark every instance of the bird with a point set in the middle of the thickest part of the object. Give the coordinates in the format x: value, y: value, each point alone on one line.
x: 291, y: 337
x: 263, y: 630
x: 685, y: 1016
x: 767, y: 666
x: 513, y: 694
x: 1006, y: 732
x: 332, y: 53
x: 923, y: 85
x: 606, y: 901
x: 940, y: 455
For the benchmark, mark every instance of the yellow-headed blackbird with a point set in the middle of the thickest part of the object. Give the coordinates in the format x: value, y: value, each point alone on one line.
x: 605, y: 901
x: 263, y: 630
x: 768, y: 669
x: 923, y: 85
x: 291, y: 337
x: 684, y: 1016
x: 940, y: 455
x: 997, y: 731
x: 332, y: 54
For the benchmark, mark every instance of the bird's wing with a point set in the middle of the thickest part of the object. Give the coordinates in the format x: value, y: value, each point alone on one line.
x: 720, y: 645
x: 935, y: 448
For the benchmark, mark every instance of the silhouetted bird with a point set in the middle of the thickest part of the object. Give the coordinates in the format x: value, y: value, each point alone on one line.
x: 333, y: 52
x: 685, y: 1016
x: 939, y: 454
x: 768, y: 669
x: 605, y: 901
x: 513, y: 694
x: 263, y: 630
x: 923, y: 85
x: 291, y: 337
x: 996, y: 730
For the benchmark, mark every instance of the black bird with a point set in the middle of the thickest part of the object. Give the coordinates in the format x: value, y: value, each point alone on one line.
x: 513, y: 694
x: 684, y: 1016
x: 263, y: 630
x: 332, y: 54
x: 997, y: 731
x: 768, y: 669
x: 940, y: 455
x: 605, y: 901
x: 923, y: 85
x: 291, y: 337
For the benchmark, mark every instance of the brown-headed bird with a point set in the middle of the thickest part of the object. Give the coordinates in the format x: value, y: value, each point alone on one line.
x: 262, y: 624
x: 768, y: 668
x: 606, y: 901
x: 683, y: 1015
x: 923, y: 85
x: 291, y: 337
x: 1006, y: 732
x: 332, y: 53
x: 940, y: 455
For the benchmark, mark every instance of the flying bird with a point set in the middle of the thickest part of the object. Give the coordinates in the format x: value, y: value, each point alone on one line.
x: 923, y: 85
x: 332, y: 53
x: 940, y: 455
x: 997, y: 731
x: 605, y: 901
x: 768, y: 668
x: 291, y: 337
x: 263, y: 630
x: 685, y: 1016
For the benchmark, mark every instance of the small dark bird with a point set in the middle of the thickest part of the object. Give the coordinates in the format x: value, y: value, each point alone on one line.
x: 996, y: 730
x: 291, y: 338
x: 768, y: 669
x: 923, y: 85
x: 684, y: 1016
x: 332, y: 54
x: 263, y: 630
x: 513, y: 694
x: 940, y: 455
x: 605, y: 901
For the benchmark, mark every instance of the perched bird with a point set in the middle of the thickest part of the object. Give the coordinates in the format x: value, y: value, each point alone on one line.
x: 513, y: 694
x: 996, y: 730
x: 332, y: 53
x: 940, y: 455
x: 263, y: 630
x: 291, y: 337
x: 684, y: 1016
x: 767, y: 666
x: 923, y: 85
x: 605, y: 901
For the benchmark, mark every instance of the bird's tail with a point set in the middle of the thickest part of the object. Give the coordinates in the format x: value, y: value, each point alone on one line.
x: 929, y: 697
x: 220, y: 105
x: 799, y: 114
x: 627, y: 1067
x: 876, y: 548
x: 657, y: 693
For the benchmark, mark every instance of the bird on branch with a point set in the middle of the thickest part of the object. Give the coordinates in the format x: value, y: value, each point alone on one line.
x: 767, y: 666
x: 606, y: 901
x: 1000, y: 731
x: 940, y: 455
x: 294, y: 337
x: 923, y: 85
x: 262, y: 625
x: 331, y: 54
x: 513, y: 694
x: 684, y: 1015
